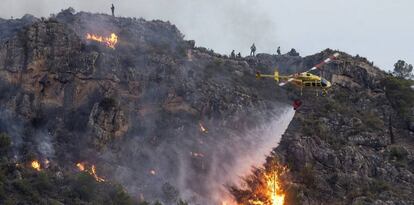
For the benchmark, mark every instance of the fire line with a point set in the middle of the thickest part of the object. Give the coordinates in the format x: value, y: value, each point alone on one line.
x: 110, y: 41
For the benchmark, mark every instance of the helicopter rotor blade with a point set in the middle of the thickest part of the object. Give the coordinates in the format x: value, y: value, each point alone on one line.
x: 286, y: 82
x: 326, y: 61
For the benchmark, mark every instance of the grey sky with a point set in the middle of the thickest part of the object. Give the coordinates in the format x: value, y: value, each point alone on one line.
x: 382, y: 30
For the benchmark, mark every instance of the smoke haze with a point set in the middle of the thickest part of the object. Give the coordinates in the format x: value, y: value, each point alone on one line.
x: 378, y: 29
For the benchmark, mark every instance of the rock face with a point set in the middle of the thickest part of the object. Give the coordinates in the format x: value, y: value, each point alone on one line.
x: 137, y: 111
x: 351, y: 147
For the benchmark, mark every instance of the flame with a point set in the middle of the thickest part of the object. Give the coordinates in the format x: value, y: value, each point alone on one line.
x: 80, y: 166
x: 36, y: 165
x: 92, y: 171
x: 195, y: 154
x: 270, y: 191
x: 108, y: 41
x: 274, y: 189
x: 153, y: 172
x: 97, y: 178
x: 47, y: 163
x: 202, y: 128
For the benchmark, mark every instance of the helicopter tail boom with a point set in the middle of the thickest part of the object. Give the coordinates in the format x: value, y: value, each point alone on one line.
x: 275, y: 76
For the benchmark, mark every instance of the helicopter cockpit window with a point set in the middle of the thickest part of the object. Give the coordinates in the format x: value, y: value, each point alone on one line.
x: 324, y: 82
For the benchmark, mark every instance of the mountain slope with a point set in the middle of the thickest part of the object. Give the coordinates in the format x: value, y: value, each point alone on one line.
x: 168, y: 120
x: 135, y: 111
x: 353, y: 146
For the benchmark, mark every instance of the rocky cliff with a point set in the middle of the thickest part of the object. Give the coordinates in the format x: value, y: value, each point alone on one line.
x: 169, y: 120
x: 156, y: 114
x: 353, y: 146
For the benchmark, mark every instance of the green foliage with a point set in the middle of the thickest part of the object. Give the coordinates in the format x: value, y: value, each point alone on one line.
x: 403, y: 70
x: 398, y: 153
x: 85, y: 186
x: 379, y: 186
x: 23, y: 186
x: 181, y: 202
x: 5, y: 141
x: 314, y: 127
x: 10, y: 201
x: 120, y: 197
x: 371, y: 120
x: 401, y: 96
x: 307, y: 174
x: 42, y: 182
x: 2, y: 191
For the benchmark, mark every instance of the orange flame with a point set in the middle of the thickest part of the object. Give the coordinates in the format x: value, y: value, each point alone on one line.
x: 108, y: 41
x: 36, y: 165
x: 274, y: 188
x: 80, y: 166
x: 97, y: 178
x: 202, y: 128
x: 92, y: 171
x: 271, y: 191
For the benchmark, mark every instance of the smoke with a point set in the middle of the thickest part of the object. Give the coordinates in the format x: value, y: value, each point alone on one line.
x: 237, y: 23
x: 165, y: 155
x: 194, y: 165
x: 250, y: 150
x: 307, y: 26
x: 44, y: 144
x: 13, y: 127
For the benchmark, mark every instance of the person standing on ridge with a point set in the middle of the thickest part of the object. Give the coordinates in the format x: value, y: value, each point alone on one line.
x: 113, y: 10
x: 232, y: 55
x: 252, y: 50
x: 278, y: 51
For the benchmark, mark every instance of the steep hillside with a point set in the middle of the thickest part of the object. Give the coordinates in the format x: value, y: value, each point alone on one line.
x: 137, y: 111
x: 170, y: 121
x: 353, y: 146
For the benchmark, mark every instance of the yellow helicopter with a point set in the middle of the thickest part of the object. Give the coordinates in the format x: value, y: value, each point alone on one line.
x: 304, y: 79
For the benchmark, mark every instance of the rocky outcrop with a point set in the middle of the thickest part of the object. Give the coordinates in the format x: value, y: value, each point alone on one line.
x: 350, y: 147
x: 107, y: 122
x: 136, y: 111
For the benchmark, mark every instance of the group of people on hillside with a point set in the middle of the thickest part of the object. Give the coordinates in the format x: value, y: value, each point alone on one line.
x: 252, y: 52
x: 233, y: 54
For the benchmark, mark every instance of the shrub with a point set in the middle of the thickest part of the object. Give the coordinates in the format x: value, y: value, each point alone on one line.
x: 308, y: 175
x: 371, y: 120
x: 43, y: 183
x: 181, y: 202
x: 401, y: 96
x: 85, y: 186
x: 398, y: 153
x: 379, y: 186
x: 23, y: 186
x: 120, y: 197
x: 107, y: 104
x: 5, y: 141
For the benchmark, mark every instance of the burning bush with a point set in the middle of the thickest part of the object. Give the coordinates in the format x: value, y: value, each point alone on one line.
x: 110, y: 41
x: 263, y: 187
